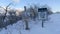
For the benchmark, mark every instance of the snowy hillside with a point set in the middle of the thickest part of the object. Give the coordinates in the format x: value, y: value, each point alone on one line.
x: 52, y: 26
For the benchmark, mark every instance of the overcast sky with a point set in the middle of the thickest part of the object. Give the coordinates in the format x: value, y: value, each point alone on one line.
x: 54, y: 4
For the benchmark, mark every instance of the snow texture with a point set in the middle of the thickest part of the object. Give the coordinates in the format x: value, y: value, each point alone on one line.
x: 52, y: 26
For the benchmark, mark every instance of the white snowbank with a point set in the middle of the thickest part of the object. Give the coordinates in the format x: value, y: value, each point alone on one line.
x: 52, y: 26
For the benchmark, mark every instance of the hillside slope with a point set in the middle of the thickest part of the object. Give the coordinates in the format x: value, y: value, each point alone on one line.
x: 52, y: 26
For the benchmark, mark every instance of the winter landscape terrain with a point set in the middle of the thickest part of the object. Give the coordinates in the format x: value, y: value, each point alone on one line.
x: 52, y: 26
x: 29, y: 17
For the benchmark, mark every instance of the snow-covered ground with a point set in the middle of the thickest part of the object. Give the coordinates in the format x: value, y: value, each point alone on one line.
x: 52, y: 26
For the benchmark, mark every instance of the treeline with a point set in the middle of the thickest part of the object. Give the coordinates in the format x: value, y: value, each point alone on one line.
x: 10, y: 17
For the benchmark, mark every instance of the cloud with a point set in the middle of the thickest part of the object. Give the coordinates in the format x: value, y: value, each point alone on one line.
x: 16, y: 1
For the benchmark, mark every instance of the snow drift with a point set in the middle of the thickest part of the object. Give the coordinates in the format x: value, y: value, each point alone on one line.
x: 52, y: 26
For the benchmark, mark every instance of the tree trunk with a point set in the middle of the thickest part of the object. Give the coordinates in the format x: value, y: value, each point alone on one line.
x: 26, y: 24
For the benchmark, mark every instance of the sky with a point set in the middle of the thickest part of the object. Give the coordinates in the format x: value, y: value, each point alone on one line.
x: 54, y: 4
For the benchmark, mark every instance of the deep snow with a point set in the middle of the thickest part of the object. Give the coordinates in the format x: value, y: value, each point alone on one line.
x: 52, y: 26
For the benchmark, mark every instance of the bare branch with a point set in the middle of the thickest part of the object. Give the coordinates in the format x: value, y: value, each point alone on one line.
x: 2, y: 7
x: 6, y: 10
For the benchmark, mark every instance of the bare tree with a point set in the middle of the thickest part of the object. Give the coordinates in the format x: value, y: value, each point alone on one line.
x: 26, y: 19
x: 33, y: 11
x: 6, y: 9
